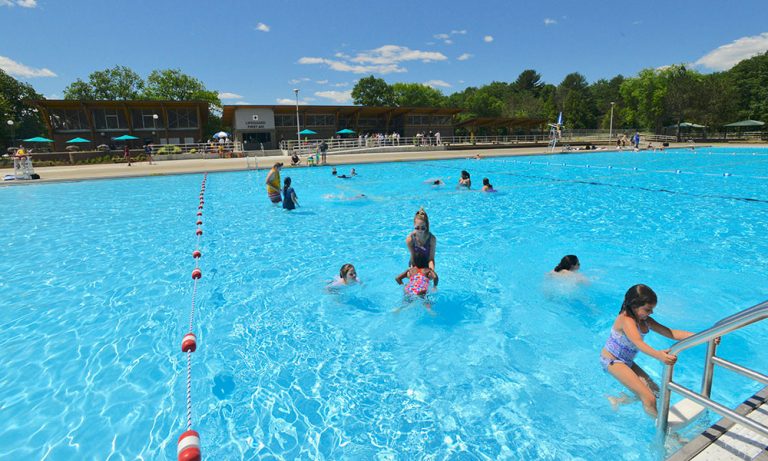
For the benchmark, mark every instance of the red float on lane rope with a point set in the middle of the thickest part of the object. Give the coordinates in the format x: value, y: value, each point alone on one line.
x: 189, y: 446
x: 199, y: 231
x: 196, y: 274
x: 196, y: 254
x: 189, y: 343
x: 199, y: 213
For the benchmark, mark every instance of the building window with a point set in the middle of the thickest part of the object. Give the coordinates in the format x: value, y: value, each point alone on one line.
x: 144, y: 119
x: 321, y: 120
x: 69, y: 120
x: 442, y: 120
x: 182, y: 118
x: 285, y: 120
x: 109, y: 119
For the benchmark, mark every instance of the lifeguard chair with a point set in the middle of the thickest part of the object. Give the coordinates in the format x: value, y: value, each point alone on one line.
x: 22, y: 165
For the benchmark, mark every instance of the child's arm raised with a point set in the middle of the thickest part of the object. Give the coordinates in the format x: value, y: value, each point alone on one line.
x: 399, y: 278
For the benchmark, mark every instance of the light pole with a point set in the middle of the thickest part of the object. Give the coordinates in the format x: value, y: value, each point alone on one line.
x: 298, y: 129
x: 610, y: 131
x: 13, y: 132
x: 154, y: 121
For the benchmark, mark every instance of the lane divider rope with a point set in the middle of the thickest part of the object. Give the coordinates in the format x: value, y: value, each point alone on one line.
x: 189, y: 442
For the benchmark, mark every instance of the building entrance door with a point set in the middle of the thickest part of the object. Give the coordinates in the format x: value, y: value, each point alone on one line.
x: 253, y: 141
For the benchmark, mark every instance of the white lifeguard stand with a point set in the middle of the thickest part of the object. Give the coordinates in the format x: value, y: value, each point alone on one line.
x: 555, y: 132
x: 22, y: 167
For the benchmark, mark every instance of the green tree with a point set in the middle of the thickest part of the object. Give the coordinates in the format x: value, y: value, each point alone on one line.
x: 643, y: 101
x: 372, y: 91
x: 79, y: 90
x: 174, y: 85
x: 576, y: 101
x: 750, y: 78
x: 528, y: 81
x: 117, y: 83
x: 604, y: 92
x: 417, y: 95
x: 16, y: 105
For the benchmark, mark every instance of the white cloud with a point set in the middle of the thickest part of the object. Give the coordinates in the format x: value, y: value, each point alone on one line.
x: 341, y: 55
x: 53, y: 96
x: 355, y: 69
x: 321, y: 82
x: 460, y: 32
x: 21, y: 3
x: 435, y: 83
x: 488, y: 38
x: 225, y: 95
x: 262, y: 27
x: 338, y: 97
x: 727, y: 56
x: 464, y: 57
x: 291, y: 102
x: 391, y: 54
x: 17, y: 69
x: 449, y: 42
x: 549, y: 21
x: 441, y: 36
x: 341, y: 84
x: 243, y: 103
x: 382, y: 60
x: 299, y: 80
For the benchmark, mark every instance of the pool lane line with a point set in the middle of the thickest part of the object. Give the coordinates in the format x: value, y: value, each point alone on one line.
x: 647, y: 189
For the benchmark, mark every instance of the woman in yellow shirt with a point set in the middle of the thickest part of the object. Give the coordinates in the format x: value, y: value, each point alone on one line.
x: 273, y: 183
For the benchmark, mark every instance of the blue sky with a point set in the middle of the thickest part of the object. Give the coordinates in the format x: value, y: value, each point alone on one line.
x: 256, y: 52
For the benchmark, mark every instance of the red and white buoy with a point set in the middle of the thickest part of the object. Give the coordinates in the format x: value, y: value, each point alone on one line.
x: 197, y: 273
x: 199, y: 231
x: 189, y: 446
x: 189, y: 343
x: 200, y: 213
x: 196, y: 254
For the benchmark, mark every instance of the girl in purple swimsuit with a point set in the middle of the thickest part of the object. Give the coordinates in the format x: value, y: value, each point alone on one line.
x: 421, y: 242
x: 627, y: 338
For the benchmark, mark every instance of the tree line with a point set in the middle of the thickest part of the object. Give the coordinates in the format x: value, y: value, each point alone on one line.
x: 652, y: 100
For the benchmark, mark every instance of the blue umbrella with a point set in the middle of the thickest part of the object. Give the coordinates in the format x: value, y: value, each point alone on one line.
x: 77, y: 140
x: 38, y: 139
x: 125, y: 137
x: 307, y: 131
x: 345, y: 131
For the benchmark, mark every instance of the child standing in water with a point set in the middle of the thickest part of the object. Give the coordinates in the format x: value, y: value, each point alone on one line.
x: 627, y: 338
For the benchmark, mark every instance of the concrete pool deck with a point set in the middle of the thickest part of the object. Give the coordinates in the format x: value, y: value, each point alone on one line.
x: 170, y: 167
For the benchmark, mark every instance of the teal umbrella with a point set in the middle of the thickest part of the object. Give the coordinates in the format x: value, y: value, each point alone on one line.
x: 125, y: 137
x: 77, y: 140
x: 307, y: 132
x: 38, y: 139
x: 747, y: 123
x: 345, y: 131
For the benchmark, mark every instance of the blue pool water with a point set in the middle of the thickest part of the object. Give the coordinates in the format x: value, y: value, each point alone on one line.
x: 96, y: 290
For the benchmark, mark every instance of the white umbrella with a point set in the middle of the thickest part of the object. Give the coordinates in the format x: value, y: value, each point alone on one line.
x: 221, y: 134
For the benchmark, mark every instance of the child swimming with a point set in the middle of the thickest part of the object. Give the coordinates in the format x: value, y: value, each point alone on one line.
x: 627, y: 338
x: 347, y: 276
x: 418, y: 280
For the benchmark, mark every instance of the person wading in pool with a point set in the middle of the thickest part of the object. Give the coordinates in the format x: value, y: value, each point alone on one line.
x: 421, y: 242
x: 273, y: 183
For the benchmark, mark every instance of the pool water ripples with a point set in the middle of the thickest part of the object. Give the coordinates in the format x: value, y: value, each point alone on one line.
x: 499, y: 363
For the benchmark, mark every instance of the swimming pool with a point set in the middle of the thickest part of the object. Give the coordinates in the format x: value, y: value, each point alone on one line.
x: 95, y: 278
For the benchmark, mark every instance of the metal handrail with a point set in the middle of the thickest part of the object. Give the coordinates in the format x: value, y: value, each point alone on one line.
x: 727, y: 325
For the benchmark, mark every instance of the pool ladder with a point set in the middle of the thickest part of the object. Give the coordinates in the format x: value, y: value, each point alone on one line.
x: 696, y: 402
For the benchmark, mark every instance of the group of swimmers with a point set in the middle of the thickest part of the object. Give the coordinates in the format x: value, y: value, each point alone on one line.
x: 465, y: 181
x: 627, y: 335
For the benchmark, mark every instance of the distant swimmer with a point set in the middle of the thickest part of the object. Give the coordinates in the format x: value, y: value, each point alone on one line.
x: 487, y: 187
x: 434, y: 182
x: 569, y: 267
x: 465, y: 180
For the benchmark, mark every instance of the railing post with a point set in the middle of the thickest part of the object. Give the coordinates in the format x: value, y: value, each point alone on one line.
x: 662, y: 419
x: 709, y: 367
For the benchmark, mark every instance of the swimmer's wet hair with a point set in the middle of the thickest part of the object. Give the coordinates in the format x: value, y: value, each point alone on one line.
x: 567, y: 263
x: 345, y: 269
x: 422, y: 215
x: 637, y: 296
